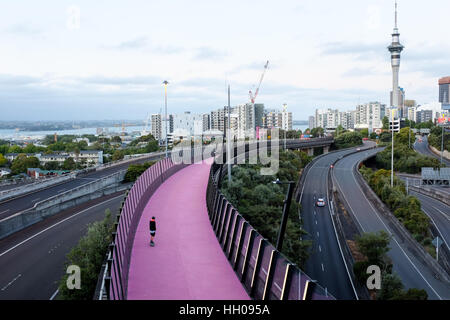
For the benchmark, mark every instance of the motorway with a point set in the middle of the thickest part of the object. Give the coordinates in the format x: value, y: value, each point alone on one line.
x: 412, y: 272
x: 32, y: 260
x: 439, y: 214
x: 325, y: 264
x: 422, y: 147
x: 18, y: 204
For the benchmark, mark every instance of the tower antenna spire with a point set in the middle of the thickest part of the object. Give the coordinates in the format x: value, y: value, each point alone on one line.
x: 395, y: 14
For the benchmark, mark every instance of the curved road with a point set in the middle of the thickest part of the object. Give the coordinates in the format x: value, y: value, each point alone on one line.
x: 325, y: 263
x: 32, y: 260
x: 439, y: 214
x: 422, y: 147
x: 412, y: 272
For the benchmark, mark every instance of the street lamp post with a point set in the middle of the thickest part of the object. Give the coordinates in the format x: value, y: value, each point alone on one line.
x: 392, y: 150
x: 442, y: 144
x: 165, y: 117
x: 286, y: 207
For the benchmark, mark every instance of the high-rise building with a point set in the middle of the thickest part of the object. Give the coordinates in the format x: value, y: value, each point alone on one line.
x: 369, y: 116
x: 278, y: 119
x: 412, y: 113
x: 206, y: 121
x: 395, y: 49
x: 424, y: 115
x: 187, y: 124
x: 158, y: 126
x: 444, y: 92
x: 311, y: 122
x: 259, y: 114
x: 347, y: 119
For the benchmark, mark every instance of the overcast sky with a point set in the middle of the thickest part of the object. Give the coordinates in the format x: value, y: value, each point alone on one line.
x: 106, y: 59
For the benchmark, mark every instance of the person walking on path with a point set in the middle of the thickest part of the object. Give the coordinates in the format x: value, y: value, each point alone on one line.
x: 152, y: 227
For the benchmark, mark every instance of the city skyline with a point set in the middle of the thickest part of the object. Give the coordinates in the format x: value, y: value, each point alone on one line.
x: 98, y: 61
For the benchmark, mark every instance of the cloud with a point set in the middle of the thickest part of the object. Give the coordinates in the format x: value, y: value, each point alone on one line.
x: 137, y: 43
x: 359, y: 50
x: 23, y: 29
x: 207, y: 53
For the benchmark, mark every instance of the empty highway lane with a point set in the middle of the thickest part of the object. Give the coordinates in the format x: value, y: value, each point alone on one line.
x: 32, y: 260
x: 412, y: 272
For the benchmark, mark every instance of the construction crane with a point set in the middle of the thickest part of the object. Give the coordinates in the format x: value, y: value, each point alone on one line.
x: 253, y: 98
x: 250, y: 93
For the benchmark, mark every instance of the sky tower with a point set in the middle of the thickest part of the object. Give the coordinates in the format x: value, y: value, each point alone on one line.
x: 395, y: 49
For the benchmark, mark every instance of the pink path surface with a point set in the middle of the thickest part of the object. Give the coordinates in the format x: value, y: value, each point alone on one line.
x: 187, y: 262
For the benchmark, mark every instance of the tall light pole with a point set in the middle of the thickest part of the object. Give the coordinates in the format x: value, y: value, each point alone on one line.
x: 229, y: 137
x: 442, y: 143
x: 165, y: 117
x: 286, y: 207
x: 392, y: 150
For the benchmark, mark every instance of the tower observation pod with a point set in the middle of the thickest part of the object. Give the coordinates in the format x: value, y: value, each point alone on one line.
x: 395, y: 49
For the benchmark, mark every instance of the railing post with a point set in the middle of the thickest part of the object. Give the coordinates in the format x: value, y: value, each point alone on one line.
x: 225, y: 236
x: 287, y: 281
x: 309, y: 288
x: 270, y: 274
x: 251, y: 237
x: 257, y: 267
x: 240, y: 243
x: 233, y: 236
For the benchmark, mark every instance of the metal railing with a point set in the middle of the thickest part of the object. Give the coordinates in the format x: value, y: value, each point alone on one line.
x: 114, y: 273
x: 264, y: 272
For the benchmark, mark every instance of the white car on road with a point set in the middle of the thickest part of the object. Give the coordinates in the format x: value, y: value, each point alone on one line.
x: 320, y: 202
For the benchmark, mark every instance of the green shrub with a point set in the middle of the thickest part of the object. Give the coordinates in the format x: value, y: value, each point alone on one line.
x: 88, y: 254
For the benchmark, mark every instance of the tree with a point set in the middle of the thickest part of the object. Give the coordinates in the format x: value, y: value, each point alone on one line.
x: 3, y: 160
x: 117, y: 155
x: 365, y: 133
x: 317, y: 132
x: 339, y: 130
x: 373, y: 135
x: 69, y: 164
x: 88, y: 255
x: 348, y: 139
x: 374, y: 245
x: 22, y: 163
x: 385, y: 122
x: 15, y: 149
x: 51, y: 165
x: 116, y: 139
x: 391, y: 287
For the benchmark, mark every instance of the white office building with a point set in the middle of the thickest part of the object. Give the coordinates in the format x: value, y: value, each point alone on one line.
x: 369, y: 116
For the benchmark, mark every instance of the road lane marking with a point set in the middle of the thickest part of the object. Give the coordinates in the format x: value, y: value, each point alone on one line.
x: 445, y: 216
x: 35, y: 200
x: 317, y: 234
x: 4, y: 211
x: 52, y: 226
x: 320, y: 248
x: 322, y: 268
x: 54, y: 295
x: 316, y: 221
x: 12, y: 281
x: 393, y: 237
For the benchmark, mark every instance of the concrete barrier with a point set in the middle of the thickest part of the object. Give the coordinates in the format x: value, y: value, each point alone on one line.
x: 446, y: 154
x: 12, y: 193
x: 51, y: 206
x: 433, y: 193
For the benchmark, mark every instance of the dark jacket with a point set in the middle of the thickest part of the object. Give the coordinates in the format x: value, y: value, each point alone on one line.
x: 152, y: 225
